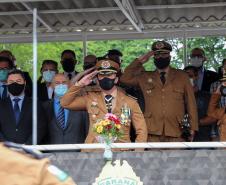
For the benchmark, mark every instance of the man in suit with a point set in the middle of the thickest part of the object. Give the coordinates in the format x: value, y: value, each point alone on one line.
x: 68, y: 62
x: 16, y: 113
x: 106, y: 98
x: 205, y: 77
x: 48, y: 70
x: 5, y: 66
x: 167, y: 93
x: 9, y: 55
x: 64, y: 126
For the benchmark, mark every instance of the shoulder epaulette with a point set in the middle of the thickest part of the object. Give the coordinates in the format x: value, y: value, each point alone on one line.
x: 131, y: 97
x: 34, y: 153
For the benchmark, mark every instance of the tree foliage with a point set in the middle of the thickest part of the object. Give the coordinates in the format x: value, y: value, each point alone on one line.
x: 131, y: 49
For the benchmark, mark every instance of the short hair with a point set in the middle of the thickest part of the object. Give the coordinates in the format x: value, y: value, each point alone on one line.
x: 51, y: 62
x: 223, y: 61
x: 68, y: 51
x: 199, y: 49
x: 6, y: 59
x: 16, y: 71
x: 192, y: 68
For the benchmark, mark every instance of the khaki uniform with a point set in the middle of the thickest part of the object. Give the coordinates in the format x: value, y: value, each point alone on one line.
x: 218, y: 113
x: 164, y: 104
x: 20, y: 169
x: 94, y: 103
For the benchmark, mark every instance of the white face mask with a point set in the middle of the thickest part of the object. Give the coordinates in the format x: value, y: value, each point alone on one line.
x: 196, y: 61
x: 48, y: 75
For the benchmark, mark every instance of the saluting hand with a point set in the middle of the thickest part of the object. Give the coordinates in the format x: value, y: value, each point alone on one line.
x: 87, y: 79
x: 144, y: 58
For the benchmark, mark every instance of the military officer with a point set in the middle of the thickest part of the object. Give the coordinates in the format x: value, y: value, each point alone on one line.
x: 107, y: 98
x: 24, y: 166
x: 167, y: 92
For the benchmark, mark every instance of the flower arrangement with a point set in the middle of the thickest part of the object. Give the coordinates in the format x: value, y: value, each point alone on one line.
x: 109, y: 127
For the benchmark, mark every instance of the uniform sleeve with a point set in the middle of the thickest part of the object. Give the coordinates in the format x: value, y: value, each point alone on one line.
x: 51, y: 177
x: 139, y: 123
x: 190, y: 103
x: 73, y: 100
x: 213, y: 110
x: 130, y: 74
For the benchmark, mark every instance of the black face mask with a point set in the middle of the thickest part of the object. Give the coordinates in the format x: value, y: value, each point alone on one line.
x: 68, y: 65
x: 162, y: 63
x: 223, y: 90
x: 88, y: 66
x: 107, y: 83
x: 16, y: 89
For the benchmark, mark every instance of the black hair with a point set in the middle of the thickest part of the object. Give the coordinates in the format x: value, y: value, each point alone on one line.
x: 223, y: 61
x: 199, y: 49
x: 68, y: 51
x: 193, y: 68
x: 114, y: 52
x: 6, y: 59
x: 52, y: 62
x: 17, y: 71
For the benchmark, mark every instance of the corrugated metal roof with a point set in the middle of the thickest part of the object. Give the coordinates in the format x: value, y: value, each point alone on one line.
x: 105, y: 19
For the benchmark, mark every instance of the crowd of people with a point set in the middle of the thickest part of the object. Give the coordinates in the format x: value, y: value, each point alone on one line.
x: 71, y: 102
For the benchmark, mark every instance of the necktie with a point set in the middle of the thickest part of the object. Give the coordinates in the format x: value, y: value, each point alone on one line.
x: 108, y: 101
x: 16, y: 109
x: 69, y: 76
x: 162, y: 77
x: 60, y: 117
x: 4, y: 92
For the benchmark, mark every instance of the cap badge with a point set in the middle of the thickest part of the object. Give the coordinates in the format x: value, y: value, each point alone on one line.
x: 159, y: 45
x: 105, y: 64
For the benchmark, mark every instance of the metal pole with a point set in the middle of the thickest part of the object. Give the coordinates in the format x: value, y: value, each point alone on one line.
x: 84, y: 39
x: 185, y: 58
x: 34, y: 95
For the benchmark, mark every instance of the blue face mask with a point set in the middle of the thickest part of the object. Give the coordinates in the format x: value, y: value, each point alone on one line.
x: 48, y: 75
x: 60, y: 90
x: 3, y: 74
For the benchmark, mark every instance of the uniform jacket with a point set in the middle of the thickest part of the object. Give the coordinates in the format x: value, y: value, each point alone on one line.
x: 21, y: 132
x: 218, y: 113
x: 94, y: 103
x: 21, y: 169
x: 76, y: 130
x: 165, y: 105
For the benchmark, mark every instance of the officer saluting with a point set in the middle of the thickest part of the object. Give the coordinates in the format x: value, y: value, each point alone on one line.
x: 167, y: 92
x: 107, y: 98
x: 28, y: 167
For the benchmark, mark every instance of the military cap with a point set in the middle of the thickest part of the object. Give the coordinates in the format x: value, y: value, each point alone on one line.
x: 161, y: 46
x: 107, y: 66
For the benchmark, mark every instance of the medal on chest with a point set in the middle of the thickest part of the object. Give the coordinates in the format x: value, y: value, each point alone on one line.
x: 125, y: 116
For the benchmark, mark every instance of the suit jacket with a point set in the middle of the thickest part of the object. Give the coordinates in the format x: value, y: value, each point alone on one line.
x: 76, y: 130
x: 94, y: 103
x: 42, y: 92
x: 164, y: 104
x: 21, y: 132
x: 208, y: 78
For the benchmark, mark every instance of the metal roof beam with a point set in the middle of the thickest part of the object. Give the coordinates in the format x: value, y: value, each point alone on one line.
x: 26, y: 1
x: 106, y: 9
x: 130, y: 14
x: 38, y: 17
